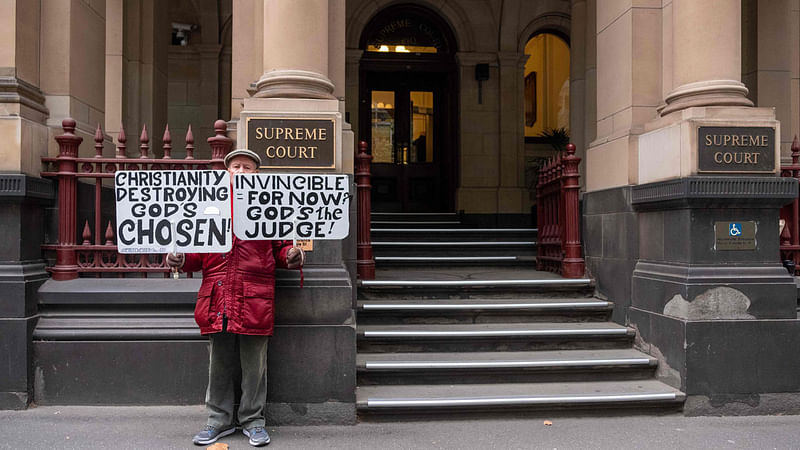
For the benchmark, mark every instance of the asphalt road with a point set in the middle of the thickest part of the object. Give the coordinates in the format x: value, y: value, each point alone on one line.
x: 76, y: 427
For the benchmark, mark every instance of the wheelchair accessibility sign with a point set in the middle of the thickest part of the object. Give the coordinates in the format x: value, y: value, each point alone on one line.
x: 735, y: 235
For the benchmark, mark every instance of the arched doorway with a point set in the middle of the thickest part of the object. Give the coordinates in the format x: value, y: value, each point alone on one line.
x: 408, y: 96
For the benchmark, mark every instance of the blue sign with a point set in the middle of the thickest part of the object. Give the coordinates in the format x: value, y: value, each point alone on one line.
x: 735, y: 229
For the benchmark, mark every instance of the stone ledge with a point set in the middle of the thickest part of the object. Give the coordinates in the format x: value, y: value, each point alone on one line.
x: 118, y: 291
x: 758, y: 192
x: 21, y: 186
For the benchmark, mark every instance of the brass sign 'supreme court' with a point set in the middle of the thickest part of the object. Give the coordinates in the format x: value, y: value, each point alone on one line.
x: 736, y: 150
x: 735, y: 235
x: 295, y: 143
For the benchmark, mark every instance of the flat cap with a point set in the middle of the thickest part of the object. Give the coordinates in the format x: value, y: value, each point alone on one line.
x: 243, y: 152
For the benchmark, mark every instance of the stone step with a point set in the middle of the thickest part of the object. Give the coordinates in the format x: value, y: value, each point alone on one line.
x: 454, y: 248
x: 503, y: 367
x: 492, y: 337
x: 441, y: 286
x: 483, y: 310
x: 414, y: 223
x: 453, y: 234
x: 415, y: 217
x: 501, y: 397
x: 437, y: 261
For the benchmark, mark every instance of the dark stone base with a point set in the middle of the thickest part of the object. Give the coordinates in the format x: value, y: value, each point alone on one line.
x: 123, y: 356
x: 16, y: 379
x: 729, y: 363
x: 755, y: 291
x: 743, y: 404
x: 121, y: 373
x: 312, y: 364
x: 14, y: 400
x: 611, y: 245
x: 327, y: 413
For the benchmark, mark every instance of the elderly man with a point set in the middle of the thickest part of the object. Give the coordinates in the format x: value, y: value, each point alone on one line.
x: 235, y: 309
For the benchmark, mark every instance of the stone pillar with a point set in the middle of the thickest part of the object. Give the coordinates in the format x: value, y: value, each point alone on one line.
x: 707, y: 55
x: 303, y: 55
x: 512, y: 195
x: 628, y: 65
x: 295, y: 50
x: 708, y: 285
x: 72, y: 75
x: 23, y: 195
x: 583, y: 82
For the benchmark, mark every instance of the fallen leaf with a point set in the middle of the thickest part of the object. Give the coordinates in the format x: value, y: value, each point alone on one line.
x: 548, y: 423
x: 218, y: 446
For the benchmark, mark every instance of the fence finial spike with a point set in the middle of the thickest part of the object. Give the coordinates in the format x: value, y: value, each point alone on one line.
x: 144, y: 138
x: 98, y: 142
x: 87, y: 234
x: 109, y: 234
x: 189, y: 135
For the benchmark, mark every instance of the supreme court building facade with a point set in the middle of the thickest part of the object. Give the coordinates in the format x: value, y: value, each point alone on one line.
x: 682, y: 111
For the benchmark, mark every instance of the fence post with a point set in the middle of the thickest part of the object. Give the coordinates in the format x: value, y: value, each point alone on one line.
x: 66, y: 267
x: 220, y: 145
x: 365, y: 263
x: 573, y: 265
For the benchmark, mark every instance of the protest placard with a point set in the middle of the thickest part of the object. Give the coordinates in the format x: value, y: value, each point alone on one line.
x: 173, y: 211
x: 291, y: 206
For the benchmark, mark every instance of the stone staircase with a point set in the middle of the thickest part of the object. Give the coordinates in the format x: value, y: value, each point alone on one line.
x: 459, y: 321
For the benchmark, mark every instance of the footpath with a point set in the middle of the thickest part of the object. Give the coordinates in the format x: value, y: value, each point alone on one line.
x: 171, y: 427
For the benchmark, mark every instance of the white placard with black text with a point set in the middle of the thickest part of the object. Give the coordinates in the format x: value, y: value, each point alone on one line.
x: 291, y: 206
x: 190, y: 209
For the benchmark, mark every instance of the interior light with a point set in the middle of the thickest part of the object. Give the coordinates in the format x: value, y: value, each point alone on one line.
x: 389, y: 106
x: 384, y: 48
x: 401, y: 49
x: 380, y: 104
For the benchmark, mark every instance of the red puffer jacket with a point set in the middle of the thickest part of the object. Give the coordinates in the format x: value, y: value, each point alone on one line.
x: 239, y: 285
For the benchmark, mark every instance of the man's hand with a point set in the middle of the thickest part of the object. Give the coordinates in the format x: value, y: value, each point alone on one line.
x: 175, y: 260
x: 295, y: 258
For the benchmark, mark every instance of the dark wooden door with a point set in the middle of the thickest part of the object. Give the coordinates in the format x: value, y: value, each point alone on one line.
x: 407, y: 128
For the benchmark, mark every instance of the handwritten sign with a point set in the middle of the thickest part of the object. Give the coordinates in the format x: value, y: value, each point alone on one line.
x: 189, y: 209
x: 291, y: 206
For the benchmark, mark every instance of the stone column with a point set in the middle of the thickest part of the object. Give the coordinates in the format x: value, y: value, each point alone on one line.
x: 511, y: 191
x: 708, y: 285
x: 23, y: 195
x: 303, y: 56
x: 706, y: 55
x: 295, y: 50
x: 72, y: 62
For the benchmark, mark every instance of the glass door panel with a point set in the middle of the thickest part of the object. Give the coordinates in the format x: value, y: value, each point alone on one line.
x: 422, y: 150
x: 383, y: 126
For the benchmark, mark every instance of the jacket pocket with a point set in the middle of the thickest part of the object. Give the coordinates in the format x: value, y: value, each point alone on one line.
x: 204, y: 308
x: 257, y: 311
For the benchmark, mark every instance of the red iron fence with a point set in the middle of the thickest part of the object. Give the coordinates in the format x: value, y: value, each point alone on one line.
x: 97, y: 252
x: 558, y: 216
x: 790, y: 234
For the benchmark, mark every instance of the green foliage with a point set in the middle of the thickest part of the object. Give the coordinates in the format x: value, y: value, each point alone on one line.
x: 558, y: 138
